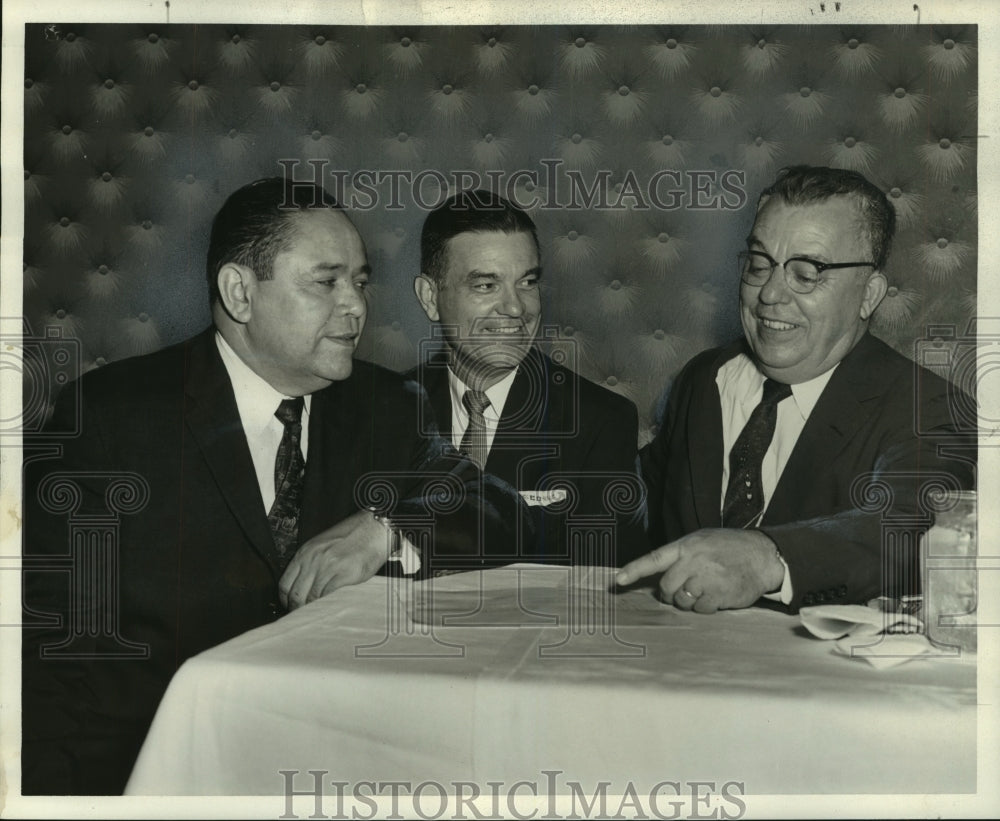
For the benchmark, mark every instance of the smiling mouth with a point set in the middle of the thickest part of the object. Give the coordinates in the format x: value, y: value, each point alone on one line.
x: 517, y: 330
x: 776, y: 325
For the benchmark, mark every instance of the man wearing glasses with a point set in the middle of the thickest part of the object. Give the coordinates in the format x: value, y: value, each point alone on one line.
x: 757, y: 477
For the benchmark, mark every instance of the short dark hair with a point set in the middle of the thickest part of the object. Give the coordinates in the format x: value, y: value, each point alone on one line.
x: 254, y: 225
x: 468, y: 211
x: 804, y: 184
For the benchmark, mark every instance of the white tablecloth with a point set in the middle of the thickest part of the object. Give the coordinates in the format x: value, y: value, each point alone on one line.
x: 351, y: 685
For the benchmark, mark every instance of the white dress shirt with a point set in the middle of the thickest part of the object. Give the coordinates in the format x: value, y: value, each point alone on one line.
x: 741, y: 387
x: 257, y: 401
x: 497, y: 394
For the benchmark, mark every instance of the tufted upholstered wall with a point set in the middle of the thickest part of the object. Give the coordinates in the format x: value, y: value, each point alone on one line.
x: 134, y: 135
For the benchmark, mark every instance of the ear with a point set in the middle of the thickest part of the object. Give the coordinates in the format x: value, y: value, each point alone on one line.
x: 237, y: 285
x: 875, y: 289
x: 427, y: 292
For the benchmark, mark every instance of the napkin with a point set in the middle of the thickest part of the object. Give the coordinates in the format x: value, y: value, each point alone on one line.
x: 880, y: 638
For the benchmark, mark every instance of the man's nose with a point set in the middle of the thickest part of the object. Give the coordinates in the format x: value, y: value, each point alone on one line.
x: 351, y: 301
x: 511, y: 303
x: 776, y: 288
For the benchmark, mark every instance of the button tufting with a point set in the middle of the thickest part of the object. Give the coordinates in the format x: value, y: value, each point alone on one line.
x: 895, y: 193
x: 146, y: 224
x: 892, y: 291
x: 580, y: 42
x: 900, y: 92
x: 761, y: 43
x: 275, y: 86
x: 623, y: 90
x: 658, y: 334
x: 572, y: 236
x: 27, y: 174
x: 64, y: 222
x: 942, y: 243
x: 103, y: 270
x: 758, y: 141
x: 491, y: 42
x: 61, y: 314
x: 361, y: 88
x: 153, y: 37
x: 235, y: 38
x: 100, y: 361
x: 109, y: 83
x: 189, y: 179
x: 28, y: 82
x: 850, y: 142
x: 614, y: 285
x: 67, y: 129
x: 319, y: 40
x: 532, y: 89
x: 853, y: 43
x: 193, y: 85
x: 569, y: 330
x: 106, y: 176
x: 316, y: 134
x: 663, y: 236
x: 715, y: 91
x: 805, y: 91
x: 148, y: 131
x: 944, y: 142
x: 488, y: 137
x: 232, y: 133
x: 577, y: 139
x: 948, y: 44
x: 671, y: 43
x: 405, y: 42
x: 402, y: 136
x: 529, y: 186
x: 667, y: 140
x: 71, y: 37
x: 143, y: 317
x: 447, y: 88
x: 612, y: 380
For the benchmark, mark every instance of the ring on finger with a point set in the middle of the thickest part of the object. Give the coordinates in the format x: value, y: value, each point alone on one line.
x: 688, y: 593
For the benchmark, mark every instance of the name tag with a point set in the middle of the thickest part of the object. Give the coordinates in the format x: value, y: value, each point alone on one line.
x: 534, y: 498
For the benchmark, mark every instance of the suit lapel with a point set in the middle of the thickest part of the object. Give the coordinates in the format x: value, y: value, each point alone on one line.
x: 704, y: 442
x: 841, y: 410
x: 331, y: 430
x: 214, y: 422
x: 433, y: 375
x: 524, y: 412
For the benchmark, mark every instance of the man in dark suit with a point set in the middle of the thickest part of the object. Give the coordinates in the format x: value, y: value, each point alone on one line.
x: 566, y: 444
x: 780, y: 454
x: 219, y: 481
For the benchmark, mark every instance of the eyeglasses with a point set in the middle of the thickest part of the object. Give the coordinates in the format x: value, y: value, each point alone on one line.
x: 801, y: 273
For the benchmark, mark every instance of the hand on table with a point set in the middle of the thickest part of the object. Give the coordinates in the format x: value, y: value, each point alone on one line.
x: 350, y: 552
x: 711, y: 569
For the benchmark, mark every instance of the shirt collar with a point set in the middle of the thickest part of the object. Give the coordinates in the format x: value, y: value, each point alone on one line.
x: 256, y: 400
x: 804, y: 394
x: 497, y: 394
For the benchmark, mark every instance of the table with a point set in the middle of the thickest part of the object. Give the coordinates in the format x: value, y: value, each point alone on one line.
x: 373, y: 682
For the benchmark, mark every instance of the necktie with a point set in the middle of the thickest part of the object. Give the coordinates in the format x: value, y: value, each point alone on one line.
x: 745, y: 492
x: 289, y: 471
x: 474, y: 440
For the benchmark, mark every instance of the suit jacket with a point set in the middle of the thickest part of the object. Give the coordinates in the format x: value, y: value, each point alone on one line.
x: 194, y: 563
x: 556, y: 423
x: 829, y: 535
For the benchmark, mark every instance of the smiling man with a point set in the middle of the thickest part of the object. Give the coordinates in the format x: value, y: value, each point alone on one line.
x: 561, y: 440
x: 232, y: 467
x: 768, y: 443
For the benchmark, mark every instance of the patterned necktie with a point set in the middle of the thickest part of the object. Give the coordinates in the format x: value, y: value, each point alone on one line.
x: 289, y: 471
x: 745, y: 493
x: 474, y: 440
